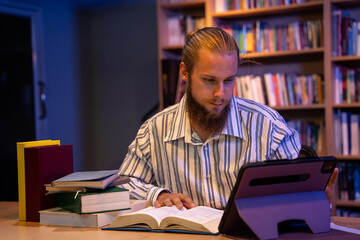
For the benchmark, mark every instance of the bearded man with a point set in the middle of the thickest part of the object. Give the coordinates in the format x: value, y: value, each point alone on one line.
x: 190, y: 153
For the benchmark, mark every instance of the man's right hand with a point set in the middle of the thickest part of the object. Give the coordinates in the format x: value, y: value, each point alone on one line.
x: 178, y: 199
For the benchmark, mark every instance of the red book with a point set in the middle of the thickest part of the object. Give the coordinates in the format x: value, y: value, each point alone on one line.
x: 276, y: 90
x: 42, y: 166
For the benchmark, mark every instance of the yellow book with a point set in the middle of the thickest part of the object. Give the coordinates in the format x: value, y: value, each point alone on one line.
x: 20, y: 146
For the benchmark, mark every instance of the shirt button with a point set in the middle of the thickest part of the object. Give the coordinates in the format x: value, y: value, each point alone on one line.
x: 208, y: 176
x: 212, y: 203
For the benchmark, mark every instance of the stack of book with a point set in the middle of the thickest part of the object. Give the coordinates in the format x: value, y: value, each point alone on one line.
x: 89, y: 198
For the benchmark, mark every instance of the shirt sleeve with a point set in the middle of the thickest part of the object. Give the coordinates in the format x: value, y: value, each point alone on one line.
x: 287, y: 142
x: 137, y: 165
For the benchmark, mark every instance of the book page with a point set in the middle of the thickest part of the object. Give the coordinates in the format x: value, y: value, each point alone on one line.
x: 200, y: 218
x: 161, y: 213
x: 149, y: 216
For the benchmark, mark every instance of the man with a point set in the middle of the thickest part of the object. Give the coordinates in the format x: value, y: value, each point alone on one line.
x: 190, y: 153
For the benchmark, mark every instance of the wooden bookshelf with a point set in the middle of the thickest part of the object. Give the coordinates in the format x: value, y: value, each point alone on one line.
x: 290, y: 53
x: 287, y: 9
x: 318, y: 60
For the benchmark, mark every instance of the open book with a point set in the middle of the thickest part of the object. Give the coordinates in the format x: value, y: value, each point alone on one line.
x: 204, y: 220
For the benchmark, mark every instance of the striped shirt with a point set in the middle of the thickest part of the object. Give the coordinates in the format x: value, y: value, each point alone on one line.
x: 168, y: 155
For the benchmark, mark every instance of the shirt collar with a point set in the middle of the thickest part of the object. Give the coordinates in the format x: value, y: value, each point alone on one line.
x: 181, y: 123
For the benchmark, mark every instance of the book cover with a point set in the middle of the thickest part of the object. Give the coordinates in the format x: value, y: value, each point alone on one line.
x: 90, y: 179
x: 200, y: 220
x: 109, y: 199
x: 118, y: 181
x: 20, y: 146
x: 62, y: 217
x: 42, y: 165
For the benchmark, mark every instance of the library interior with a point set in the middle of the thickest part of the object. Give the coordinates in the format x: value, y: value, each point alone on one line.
x: 80, y: 79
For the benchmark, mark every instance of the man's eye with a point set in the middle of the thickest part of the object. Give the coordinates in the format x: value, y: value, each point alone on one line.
x: 209, y: 79
x: 230, y: 80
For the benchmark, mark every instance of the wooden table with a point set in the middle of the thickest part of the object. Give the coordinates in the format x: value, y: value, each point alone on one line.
x: 12, y: 228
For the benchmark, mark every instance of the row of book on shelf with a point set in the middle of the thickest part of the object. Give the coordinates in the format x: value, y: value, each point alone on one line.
x: 311, y: 133
x: 179, y: 26
x: 281, y: 89
x: 346, y: 84
x: 265, y: 37
x: 346, y: 125
x: 347, y: 212
x: 349, y: 181
x: 56, y: 195
x: 228, y: 5
x: 345, y: 33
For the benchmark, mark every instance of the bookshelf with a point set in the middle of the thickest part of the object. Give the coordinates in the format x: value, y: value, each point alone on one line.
x: 306, y: 60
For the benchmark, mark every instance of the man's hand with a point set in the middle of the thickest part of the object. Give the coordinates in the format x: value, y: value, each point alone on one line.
x: 330, y: 188
x: 178, y: 199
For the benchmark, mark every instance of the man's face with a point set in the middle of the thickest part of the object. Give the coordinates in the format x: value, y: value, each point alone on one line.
x: 211, y: 85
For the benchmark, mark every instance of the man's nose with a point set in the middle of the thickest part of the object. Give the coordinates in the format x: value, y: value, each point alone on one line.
x: 219, y: 91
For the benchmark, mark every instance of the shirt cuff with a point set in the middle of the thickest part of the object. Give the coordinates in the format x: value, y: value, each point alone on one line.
x: 153, y: 194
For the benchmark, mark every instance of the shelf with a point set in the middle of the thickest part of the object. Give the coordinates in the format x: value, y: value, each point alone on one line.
x: 299, y: 107
x: 345, y: 3
x: 283, y: 53
x: 348, y: 157
x: 270, y: 10
x: 347, y: 105
x: 173, y: 48
x: 350, y: 203
x: 183, y: 5
x: 345, y: 58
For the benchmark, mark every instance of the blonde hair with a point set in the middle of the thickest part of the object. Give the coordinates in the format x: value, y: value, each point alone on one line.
x: 211, y: 38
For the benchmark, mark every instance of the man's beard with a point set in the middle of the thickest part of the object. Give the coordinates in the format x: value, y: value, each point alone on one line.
x: 202, y: 117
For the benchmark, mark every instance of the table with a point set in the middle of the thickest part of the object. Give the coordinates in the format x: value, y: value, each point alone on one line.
x: 12, y: 228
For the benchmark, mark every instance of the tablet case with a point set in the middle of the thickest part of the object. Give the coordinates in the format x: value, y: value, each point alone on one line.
x: 272, y: 192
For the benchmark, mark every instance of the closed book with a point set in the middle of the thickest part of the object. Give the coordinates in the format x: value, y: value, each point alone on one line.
x: 90, y: 179
x: 20, y: 146
x: 62, y: 217
x: 42, y: 165
x: 109, y: 199
x: 118, y: 181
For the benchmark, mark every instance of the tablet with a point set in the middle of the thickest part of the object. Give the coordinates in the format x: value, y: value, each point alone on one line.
x: 274, y: 177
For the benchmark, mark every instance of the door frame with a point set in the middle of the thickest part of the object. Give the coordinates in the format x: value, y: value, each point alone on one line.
x: 33, y: 12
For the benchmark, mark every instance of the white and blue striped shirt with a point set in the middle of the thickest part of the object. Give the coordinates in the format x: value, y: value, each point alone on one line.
x: 168, y: 155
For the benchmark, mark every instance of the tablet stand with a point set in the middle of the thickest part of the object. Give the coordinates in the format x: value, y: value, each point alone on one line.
x: 272, y: 194
x: 263, y: 214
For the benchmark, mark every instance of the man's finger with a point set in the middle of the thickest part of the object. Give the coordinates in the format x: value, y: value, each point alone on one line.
x: 334, y: 177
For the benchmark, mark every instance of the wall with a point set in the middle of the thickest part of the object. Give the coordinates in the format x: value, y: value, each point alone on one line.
x: 101, y: 74
x: 118, y: 45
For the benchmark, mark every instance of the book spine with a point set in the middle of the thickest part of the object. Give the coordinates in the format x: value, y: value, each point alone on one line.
x: 68, y: 202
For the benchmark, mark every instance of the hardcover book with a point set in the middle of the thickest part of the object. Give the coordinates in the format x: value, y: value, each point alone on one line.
x: 42, y: 165
x: 201, y: 220
x: 109, y: 199
x: 20, y: 146
x: 116, y: 182
x: 90, y: 179
x: 61, y: 217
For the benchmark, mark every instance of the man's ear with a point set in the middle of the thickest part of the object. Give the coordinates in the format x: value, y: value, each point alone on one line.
x: 183, y: 72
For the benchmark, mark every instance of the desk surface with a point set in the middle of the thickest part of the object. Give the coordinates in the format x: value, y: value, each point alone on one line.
x: 12, y: 228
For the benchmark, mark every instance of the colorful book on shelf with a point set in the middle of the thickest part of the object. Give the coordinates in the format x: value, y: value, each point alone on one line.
x: 109, y: 199
x: 42, y: 165
x: 90, y: 179
x: 200, y: 220
x: 62, y: 217
x: 20, y: 146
